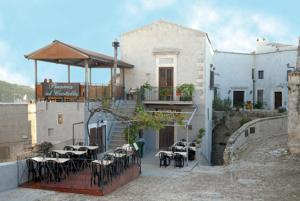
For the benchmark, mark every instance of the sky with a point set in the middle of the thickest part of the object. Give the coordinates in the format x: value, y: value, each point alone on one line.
x: 232, y: 25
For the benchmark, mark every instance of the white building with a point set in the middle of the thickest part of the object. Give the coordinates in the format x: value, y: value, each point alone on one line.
x: 167, y: 55
x: 269, y: 64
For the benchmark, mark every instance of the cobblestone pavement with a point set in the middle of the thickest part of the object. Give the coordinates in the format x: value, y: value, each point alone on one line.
x: 265, y: 172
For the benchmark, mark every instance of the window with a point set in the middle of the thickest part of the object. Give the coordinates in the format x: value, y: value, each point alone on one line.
x: 260, y: 96
x: 212, y: 79
x: 60, y: 118
x: 50, y: 131
x: 260, y: 74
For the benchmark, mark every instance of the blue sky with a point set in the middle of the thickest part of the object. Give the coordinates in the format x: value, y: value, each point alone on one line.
x: 231, y: 24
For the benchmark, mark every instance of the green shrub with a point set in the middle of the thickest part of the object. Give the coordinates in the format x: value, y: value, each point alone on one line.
x: 281, y: 109
x: 244, y: 120
x: 221, y: 105
x: 258, y: 105
x: 200, y: 135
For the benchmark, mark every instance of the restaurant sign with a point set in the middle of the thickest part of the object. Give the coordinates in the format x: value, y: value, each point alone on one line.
x: 61, y: 89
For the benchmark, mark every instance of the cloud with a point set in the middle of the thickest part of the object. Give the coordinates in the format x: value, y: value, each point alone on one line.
x: 154, y: 5
x: 144, y: 6
x: 234, y: 30
x: 7, y: 65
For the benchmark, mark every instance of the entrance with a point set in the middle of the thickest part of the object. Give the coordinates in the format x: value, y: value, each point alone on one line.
x: 166, y: 83
x: 166, y: 137
x: 238, y: 98
x: 277, y: 99
x: 96, y: 137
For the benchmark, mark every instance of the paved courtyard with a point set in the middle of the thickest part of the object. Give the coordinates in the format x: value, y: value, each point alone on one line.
x: 266, y: 172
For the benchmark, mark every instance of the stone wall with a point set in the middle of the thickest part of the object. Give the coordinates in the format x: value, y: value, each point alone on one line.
x: 257, y: 128
x: 17, y: 129
x: 294, y: 108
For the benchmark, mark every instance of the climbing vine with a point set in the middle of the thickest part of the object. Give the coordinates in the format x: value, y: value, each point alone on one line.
x: 150, y: 120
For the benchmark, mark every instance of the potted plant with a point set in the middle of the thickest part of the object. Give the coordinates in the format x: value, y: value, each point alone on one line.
x: 186, y: 92
x: 164, y: 93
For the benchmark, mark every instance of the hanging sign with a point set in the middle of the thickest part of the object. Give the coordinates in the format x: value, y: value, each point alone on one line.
x: 61, y: 89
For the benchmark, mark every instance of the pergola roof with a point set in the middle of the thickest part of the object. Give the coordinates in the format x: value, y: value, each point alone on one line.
x: 62, y: 53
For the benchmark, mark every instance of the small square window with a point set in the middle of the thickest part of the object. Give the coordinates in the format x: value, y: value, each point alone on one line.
x: 260, y: 74
x: 60, y: 118
x: 50, y: 131
x: 252, y: 130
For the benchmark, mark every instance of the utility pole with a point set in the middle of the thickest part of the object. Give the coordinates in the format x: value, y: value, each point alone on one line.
x: 115, y: 44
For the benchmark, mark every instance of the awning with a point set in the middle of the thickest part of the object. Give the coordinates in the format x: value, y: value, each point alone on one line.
x: 62, y: 53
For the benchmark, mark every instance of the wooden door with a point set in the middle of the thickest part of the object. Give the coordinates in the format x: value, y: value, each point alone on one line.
x: 96, y: 137
x: 166, y: 137
x: 277, y: 100
x: 238, y: 98
x: 166, y: 79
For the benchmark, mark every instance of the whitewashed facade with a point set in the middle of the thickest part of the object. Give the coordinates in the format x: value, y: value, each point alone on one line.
x: 270, y: 62
x: 189, y: 53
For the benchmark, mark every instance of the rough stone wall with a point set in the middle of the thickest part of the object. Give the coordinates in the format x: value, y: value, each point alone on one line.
x: 294, y: 108
x: 255, y: 129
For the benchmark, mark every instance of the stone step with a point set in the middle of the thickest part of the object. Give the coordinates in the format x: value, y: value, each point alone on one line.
x: 117, y: 134
x: 118, y: 137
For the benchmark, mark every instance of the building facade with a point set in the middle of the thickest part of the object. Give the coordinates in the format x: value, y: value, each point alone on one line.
x: 167, y: 55
x: 17, y: 129
x: 258, y: 77
x: 294, y: 109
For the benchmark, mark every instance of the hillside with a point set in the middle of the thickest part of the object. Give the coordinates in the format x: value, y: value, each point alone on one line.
x: 15, y: 93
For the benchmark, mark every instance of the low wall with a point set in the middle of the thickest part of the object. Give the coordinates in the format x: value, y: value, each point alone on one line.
x: 12, y: 174
x: 254, y: 129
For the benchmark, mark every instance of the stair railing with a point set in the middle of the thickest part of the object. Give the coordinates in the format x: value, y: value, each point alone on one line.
x: 112, y: 123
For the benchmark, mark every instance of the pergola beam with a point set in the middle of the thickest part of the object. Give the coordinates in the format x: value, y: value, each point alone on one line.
x: 86, y: 80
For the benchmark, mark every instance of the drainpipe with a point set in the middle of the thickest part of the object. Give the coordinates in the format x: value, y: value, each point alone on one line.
x: 115, y: 44
x: 253, y: 79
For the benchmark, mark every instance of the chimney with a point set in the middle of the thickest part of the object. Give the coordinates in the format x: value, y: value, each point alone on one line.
x: 298, y: 58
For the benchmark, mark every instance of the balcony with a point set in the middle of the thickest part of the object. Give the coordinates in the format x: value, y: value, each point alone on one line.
x: 164, y: 96
x: 75, y: 92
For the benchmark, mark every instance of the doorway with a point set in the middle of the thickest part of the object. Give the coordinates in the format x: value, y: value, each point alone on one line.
x: 166, y: 79
x: 166, y: 137
x: 277, y: 99
x: 96, y: 137
x: 238, y: 98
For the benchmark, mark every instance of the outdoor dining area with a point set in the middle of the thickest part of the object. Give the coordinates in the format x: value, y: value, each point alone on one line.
x: 82, y: 169
x: 180, y: 152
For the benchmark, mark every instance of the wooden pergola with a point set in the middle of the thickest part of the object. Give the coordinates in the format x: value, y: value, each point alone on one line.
x: 62, y: 53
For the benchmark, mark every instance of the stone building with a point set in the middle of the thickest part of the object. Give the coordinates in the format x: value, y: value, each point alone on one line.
x: 17, y: 129
x: 294, y: 108
x: 167, y: 55
x: 259, y: 76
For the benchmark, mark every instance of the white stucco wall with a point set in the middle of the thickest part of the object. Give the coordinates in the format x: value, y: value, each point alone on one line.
x: 192, y: 54
x: 275, y: 69
x: 47, y: 117
x: 234, y: 72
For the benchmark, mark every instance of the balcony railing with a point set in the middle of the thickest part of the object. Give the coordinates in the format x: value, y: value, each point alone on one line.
x: 75, y: 92
x: 162, y: 94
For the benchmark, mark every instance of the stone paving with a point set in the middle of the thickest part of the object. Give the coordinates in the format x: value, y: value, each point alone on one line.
x: 265, y: 172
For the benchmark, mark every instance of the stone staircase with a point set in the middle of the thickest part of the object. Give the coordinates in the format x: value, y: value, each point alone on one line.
x: 117, y: 138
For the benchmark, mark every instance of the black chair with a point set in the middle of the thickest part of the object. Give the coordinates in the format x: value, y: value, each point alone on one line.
x: 33, y: 170
x: 178, y: 160
x: 69, y: 148
x: 83, y: 159
x: 191, y: 154
x: 164, y: 159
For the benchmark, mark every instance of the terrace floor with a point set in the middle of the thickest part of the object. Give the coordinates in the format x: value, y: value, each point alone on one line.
x: 80, y: 182
x: 265, y: 173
